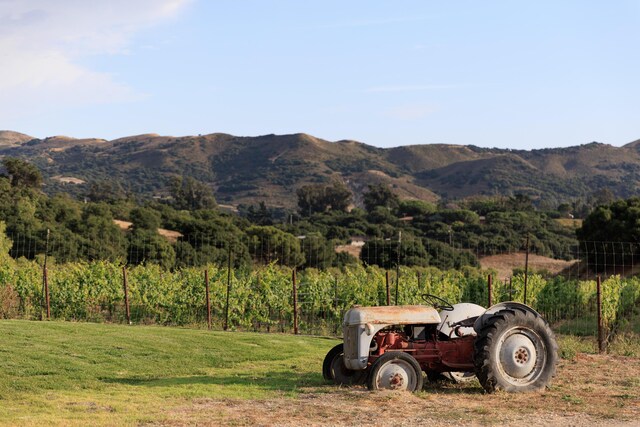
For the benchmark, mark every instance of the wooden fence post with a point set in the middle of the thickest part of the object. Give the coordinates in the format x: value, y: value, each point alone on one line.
x: 295, y: 301
x: 126, y: 294
x: 489, y: 289
x: 388, y: 290
x: 600, y: 325
x: 206, y: 285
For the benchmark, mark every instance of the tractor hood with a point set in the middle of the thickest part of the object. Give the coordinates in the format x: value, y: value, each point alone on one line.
x: 392, y: 315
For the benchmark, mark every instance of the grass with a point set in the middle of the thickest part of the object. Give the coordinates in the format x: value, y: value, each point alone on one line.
x: 57, y: 373
x: 69, y: 373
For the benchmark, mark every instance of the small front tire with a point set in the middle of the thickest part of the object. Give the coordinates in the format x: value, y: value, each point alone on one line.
x: 395, y: 370
x: 333, y: 369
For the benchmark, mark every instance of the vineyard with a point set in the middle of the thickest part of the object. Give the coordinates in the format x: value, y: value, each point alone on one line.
x: 261, y: 298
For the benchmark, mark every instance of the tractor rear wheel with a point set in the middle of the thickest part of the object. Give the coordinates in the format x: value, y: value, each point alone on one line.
x: 395, y: 370
x: 515, y: 351
x: 333, y: 369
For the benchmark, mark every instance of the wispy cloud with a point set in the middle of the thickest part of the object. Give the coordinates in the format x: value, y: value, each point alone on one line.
x: 410, y: 112
x: 370, y: 22
x: 408, y: 88
x: 42, y: 42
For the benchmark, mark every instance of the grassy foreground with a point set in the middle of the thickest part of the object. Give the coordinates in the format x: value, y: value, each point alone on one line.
x: 61, y: 373
x: 80, y: 373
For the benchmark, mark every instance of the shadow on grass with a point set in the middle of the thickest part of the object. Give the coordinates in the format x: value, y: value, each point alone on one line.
x: 283, y: 381
x: 472, y: 388
x: 278, y: 381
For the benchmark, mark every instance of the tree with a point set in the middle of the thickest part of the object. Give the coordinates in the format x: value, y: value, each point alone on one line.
x: 190, y: 194
x: 520, y: 202
x: 106, y: 191
x: 261, y: 215
x: 145, y: 219
x: 416, y: 207
x: 319, y: 198
x: 606, y: 230
x: 22, y: 173
x: 268, y: 244
x: 318, y: 251
x: 387, y: 253
x: 380, y: 195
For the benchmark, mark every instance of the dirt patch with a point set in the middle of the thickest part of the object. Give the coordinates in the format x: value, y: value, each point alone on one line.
x: 590, y: 390
x: 170, y: 235
x: 350, y: 249
x: 504, y: 264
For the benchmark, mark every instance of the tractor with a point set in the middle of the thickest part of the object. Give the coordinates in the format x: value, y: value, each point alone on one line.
x: 508, y: 346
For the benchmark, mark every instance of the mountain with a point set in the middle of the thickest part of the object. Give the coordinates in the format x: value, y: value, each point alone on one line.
x: 271, y: 167
x: 11, y: 139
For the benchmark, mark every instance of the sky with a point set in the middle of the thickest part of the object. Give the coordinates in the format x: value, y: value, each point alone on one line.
x: 505, y: 74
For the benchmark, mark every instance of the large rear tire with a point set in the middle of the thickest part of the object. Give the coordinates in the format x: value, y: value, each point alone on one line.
x: 515, y: 351
x: 395, y: 370
x: 333, y: 369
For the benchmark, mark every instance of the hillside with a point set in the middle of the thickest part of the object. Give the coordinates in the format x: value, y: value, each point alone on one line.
x: 270, y: 168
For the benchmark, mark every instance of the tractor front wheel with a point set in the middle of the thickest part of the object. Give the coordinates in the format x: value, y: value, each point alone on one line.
x: 333, y: 369
x: 395, y: 370
x: 515, y: 351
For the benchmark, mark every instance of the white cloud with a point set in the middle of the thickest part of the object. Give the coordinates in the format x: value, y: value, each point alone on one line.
x: 41, y: 42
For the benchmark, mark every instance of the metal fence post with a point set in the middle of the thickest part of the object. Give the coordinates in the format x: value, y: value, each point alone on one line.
x: 489, y: 289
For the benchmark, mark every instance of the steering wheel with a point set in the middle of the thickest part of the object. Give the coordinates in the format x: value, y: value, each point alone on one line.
x: 437, y: 302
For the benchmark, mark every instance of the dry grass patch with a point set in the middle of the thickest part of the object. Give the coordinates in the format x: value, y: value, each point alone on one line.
x: 590, y: 390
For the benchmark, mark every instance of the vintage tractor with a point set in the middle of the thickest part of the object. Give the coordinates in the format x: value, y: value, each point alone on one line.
x: 508, y: 346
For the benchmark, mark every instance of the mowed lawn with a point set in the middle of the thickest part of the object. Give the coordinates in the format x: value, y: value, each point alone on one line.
x: 64, y: 373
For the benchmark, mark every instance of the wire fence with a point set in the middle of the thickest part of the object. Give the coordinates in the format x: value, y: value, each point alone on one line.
x: 276, y: 283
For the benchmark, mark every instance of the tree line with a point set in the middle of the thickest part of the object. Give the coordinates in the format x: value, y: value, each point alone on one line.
x: 396, y: 231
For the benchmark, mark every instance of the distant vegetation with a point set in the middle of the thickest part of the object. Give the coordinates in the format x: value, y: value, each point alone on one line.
x: 405, y: 232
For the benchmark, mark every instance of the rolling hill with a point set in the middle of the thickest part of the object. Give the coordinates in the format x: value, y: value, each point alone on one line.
x: 271, y: 167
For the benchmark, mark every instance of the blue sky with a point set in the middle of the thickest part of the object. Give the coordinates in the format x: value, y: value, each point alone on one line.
x: 494, y: 73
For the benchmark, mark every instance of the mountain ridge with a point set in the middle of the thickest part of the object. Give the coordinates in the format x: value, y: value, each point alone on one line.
x: 269, y: 168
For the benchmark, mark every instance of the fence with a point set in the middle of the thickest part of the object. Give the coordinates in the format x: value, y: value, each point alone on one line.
x: 261, y: 285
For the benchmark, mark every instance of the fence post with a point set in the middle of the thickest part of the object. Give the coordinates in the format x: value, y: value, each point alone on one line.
x: 126, y: 294
x: 45, y: 277
x: 398, y: 265
x: 335, y: 294
x: 206, y: 285
x: 125, y: 287
x: 526, y: 269
x: 226, y: 308
x: 295, y: 301
x: 600, y: 325
x: 489, y: 289
x: 388, y: 291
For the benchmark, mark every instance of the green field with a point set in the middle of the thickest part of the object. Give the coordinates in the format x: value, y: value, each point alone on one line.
x: 79, y: 373
x: 64, y: 373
